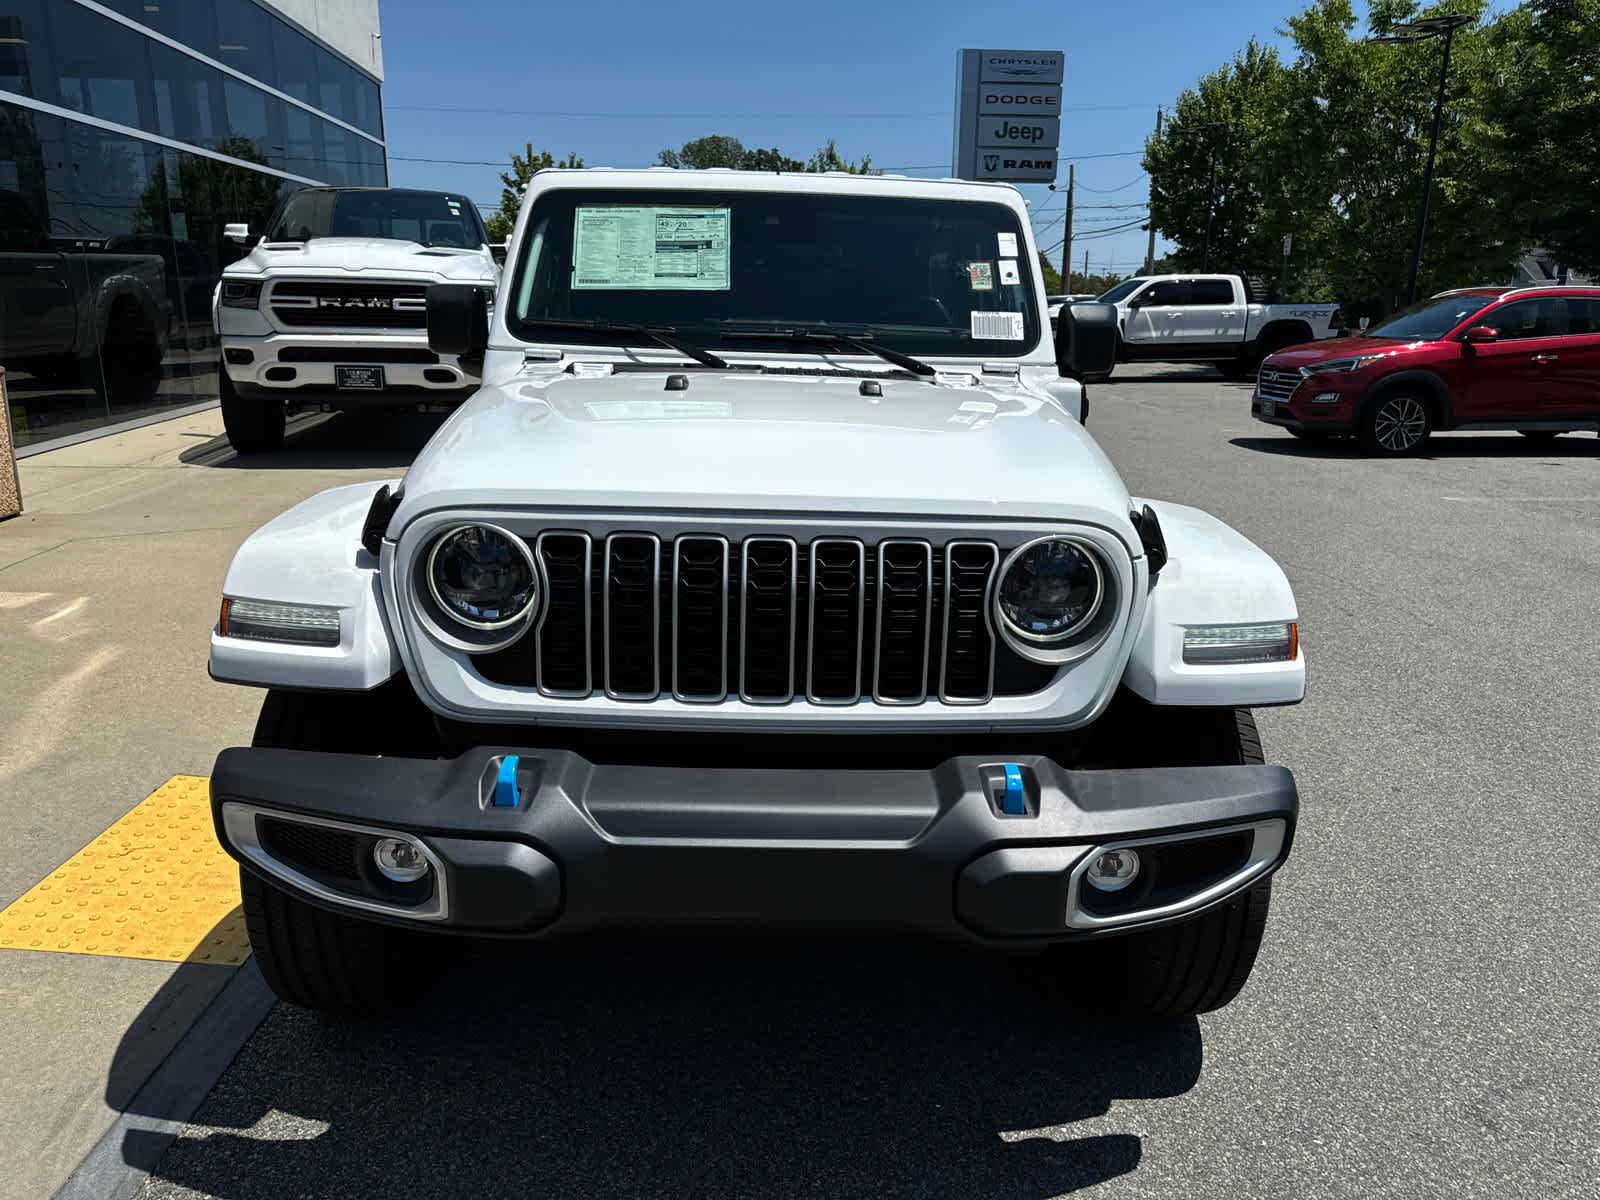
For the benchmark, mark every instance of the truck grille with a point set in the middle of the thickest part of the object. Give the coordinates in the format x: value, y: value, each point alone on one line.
x: 769, y: 620
x: 351, y: 305
x: 1277, y: 384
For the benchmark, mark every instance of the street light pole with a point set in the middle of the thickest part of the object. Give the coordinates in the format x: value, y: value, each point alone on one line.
x: 1421, y: 31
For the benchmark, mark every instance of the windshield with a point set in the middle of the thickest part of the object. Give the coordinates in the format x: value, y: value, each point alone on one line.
x: 1121, y: 290
x: 431, y: 218
x: 918, y: 276
x: 1430, y: 320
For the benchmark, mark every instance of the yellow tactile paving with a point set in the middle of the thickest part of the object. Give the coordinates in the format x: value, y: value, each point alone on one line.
x: 155, y: 885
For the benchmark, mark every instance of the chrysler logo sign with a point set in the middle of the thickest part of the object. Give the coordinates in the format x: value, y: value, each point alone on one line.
x: 1008, y: 114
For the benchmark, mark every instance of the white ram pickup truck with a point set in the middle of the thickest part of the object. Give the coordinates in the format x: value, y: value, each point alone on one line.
x: 771, y: 578
x: 328, y: 310
x: 1210, y: 319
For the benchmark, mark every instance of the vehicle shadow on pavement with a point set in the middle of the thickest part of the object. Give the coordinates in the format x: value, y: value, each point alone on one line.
x: 704, y: 1066
x: 1572, y: 445
x: 319, y: 441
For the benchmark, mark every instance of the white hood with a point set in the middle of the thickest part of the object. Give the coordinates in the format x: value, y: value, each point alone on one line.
x: 378, y: 257
x: 743, y: 442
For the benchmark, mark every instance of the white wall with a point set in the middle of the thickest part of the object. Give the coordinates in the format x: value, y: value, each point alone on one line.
x: 346, y: 25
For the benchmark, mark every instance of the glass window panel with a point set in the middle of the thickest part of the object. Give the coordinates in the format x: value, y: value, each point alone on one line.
x: 249, y: 131
x: 188, y: 94
x: 1583, y: 316
x: 1525, y: 319
x: 25, y: 49
x: 192, y: 22
x: 302, y: 141
x: 295, y: 63
x: 244, y: 38
x: 102, y: 67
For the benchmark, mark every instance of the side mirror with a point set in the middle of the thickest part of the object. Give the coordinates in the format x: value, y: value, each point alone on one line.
x: 497, y: 251
x: 237, y: 232
x: 1086, y: 340
x: 458, y: 320
x: 1481, y: 333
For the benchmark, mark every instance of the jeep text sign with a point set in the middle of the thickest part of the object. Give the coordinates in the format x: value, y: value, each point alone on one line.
x: 1008, y: 114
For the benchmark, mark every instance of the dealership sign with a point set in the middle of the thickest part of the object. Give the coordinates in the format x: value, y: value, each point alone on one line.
x: 1008, y: 114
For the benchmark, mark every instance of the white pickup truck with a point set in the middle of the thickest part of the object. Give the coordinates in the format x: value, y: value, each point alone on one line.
x: 1210, y: 319
x: 328, y: 309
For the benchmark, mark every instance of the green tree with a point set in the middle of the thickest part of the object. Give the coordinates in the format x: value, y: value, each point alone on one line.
x: 523, y: 167
x: 717, y: 150
x: 1051, y: 276
x: 770, y: 160
x: 1543, y: 91
x: 827, y: 158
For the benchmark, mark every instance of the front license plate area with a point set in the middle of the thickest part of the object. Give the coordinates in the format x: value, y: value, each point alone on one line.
x: 358, y: 379
x: 1266, y: 406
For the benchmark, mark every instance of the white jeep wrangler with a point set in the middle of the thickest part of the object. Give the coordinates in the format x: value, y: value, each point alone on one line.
x: 328, y: 310
x: 771, y: 577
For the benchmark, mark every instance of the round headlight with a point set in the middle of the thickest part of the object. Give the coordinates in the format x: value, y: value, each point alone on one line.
x: 1051, y: 590
x: 482, y: 577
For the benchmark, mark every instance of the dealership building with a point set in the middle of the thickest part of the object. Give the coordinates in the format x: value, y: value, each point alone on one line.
x: 131, y: 132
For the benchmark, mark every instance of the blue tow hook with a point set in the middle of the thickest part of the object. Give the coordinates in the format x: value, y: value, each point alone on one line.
x: 1014, y: 802
x: 505, y: 783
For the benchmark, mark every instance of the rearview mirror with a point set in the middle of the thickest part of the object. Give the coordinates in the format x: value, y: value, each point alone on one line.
x: 458, y: 320
x: 237, y: 231
x: 497, y: 251
x: 1086, y: 340
x: 1482, y: 333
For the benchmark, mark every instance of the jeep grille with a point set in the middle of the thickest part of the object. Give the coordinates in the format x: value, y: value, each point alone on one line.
x: 767, y: 619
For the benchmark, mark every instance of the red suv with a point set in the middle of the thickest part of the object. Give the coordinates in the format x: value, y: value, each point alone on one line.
x: 1526, y: 359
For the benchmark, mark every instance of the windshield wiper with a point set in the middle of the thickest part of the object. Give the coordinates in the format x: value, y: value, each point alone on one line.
x: 662, y: 334
x: 827, y: 337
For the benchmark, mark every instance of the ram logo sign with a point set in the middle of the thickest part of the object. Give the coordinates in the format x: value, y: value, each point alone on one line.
x: 1008, y: 100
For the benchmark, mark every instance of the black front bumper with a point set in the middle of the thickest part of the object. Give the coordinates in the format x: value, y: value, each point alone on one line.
x: 576, y: 845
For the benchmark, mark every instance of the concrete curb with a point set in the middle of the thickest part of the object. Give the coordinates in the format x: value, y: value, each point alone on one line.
x: 173, y: 1092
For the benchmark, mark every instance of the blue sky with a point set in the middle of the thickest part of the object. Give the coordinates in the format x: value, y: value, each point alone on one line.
x: 618, y: 81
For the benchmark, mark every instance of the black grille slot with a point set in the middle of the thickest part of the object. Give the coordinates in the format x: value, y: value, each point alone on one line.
x: 632, y: 601
x: 769, y: 618
x: 838, y: 605
x: 905, y: 617
x: 564, y: 631
x: 700, y: 619
x: 314, y: 850
x: 351, y: 305
x: 968, y: 645
x: 357, y: 354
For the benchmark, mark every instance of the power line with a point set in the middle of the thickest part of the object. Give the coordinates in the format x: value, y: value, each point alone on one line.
x: 1140, y: 178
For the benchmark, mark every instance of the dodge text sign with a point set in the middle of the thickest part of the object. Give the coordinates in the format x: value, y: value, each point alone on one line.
x: 1008, y: 114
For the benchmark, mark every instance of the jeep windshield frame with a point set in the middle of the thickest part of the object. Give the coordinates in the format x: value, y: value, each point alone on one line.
x: 907, y: 273
x: 392, y: 214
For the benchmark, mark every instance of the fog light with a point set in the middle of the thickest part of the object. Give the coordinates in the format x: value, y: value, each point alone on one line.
x: 1326, y: 398
x: 399, y: 860
x: 1113, y: 870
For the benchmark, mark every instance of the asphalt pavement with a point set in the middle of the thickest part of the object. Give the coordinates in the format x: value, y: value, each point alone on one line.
x: 1421, y: 1021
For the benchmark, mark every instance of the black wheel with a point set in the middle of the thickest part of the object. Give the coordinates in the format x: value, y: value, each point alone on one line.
x: 310, y: 956
x: 126, y: 370
x: 1396, y: 424
x: 254, y: 423
x: 1199, y: 964
x: 1541, y: 435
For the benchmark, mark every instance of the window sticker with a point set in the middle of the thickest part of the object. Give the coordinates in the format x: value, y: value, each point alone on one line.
x: 1008, y: 245
x: 981, y: 276
x: 997, y: 326
x: 651, y: 249
x: 1008, y: 272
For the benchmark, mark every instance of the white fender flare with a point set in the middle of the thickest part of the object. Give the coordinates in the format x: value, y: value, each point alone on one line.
x: 312, y: 554
x: 1214, y: 575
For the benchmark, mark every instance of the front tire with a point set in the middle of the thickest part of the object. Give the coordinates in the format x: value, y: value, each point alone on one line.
x: 1199, y: 964
x: 313, y: 957
x: 254, y: 424
x: 1396, y: 424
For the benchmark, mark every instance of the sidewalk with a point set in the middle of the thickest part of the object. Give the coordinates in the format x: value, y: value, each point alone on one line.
x: 109, y: 585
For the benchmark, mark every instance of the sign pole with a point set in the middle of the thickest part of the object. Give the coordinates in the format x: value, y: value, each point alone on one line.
x: 1066, y: 243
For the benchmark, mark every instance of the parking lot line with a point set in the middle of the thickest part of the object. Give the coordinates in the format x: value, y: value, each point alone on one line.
x: 155, y: 885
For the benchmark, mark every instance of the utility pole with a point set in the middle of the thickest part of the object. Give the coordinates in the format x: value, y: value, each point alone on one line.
x: 1066, y: 243
x: 1150, y: 251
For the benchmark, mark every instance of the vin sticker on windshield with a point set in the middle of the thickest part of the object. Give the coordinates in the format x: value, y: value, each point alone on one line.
x: 651, y: 249
x: 1008, y: 245
x: 981, y: 276
x: 997, y: 326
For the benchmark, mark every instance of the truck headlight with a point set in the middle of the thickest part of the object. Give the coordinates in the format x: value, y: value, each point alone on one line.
x: 237, y: 294
x: 1050, y: 591
x: 482, y: 577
